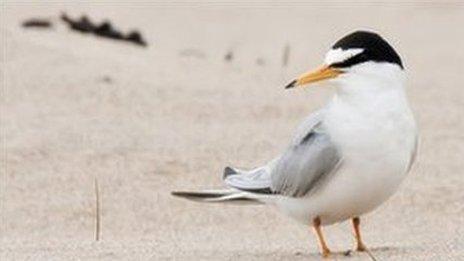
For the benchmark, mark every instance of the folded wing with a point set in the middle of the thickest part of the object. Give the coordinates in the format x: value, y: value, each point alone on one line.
x: 307, y: 162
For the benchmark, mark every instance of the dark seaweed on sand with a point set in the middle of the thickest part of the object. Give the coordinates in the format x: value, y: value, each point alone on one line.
x: 105, y: 29
x: 37, y: 22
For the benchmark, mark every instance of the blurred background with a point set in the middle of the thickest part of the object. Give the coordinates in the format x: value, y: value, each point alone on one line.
x: 205, y: 92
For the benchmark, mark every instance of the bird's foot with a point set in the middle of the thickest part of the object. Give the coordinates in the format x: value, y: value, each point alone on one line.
x: 360, y: 247
x: 326, y: 253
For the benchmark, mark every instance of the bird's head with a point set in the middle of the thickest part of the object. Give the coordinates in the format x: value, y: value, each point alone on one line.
x: 356, y: 58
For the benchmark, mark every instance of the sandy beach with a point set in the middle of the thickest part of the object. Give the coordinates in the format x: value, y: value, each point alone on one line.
x: 146, y: 121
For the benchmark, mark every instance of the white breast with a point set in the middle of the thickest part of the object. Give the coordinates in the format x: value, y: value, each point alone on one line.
x: 376, y: 144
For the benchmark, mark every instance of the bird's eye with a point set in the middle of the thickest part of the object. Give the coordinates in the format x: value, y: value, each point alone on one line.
x: 353, y: 60
x: 363, y: 55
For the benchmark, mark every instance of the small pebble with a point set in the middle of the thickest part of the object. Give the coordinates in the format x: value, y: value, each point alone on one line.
x: 229, y: 56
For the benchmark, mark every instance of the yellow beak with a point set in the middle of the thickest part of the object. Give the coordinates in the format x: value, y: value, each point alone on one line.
x: 323, y: 73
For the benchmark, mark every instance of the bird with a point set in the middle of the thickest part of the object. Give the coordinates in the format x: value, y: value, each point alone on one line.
x: 346, y: 158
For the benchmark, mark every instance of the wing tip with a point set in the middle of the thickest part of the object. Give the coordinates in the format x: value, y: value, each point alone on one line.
x: 228, y: 171
x: 196, y: 194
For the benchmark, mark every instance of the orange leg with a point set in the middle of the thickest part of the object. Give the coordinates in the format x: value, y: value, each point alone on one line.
x: 357, y: 233
x: 325, y: 251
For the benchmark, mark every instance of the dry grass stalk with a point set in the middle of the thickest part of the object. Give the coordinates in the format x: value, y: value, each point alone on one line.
x: 97, y: 211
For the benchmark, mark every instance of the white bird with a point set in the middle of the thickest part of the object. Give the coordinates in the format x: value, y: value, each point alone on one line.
x: 346, y: 158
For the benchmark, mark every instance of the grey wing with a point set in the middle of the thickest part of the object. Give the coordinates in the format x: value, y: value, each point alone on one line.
x: 305, y: 165
x: 310, y: 157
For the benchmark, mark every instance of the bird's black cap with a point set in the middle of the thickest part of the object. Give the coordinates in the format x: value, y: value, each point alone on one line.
x: 375, y: 49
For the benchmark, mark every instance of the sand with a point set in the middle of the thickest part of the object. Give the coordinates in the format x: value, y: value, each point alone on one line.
x: 146, y: 121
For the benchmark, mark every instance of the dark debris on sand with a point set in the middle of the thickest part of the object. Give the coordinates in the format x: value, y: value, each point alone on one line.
x: 84, y: 25
x: 37, y: 22
x: 105, y: 29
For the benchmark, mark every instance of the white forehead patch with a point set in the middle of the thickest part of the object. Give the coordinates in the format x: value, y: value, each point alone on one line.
x: 339, y: 55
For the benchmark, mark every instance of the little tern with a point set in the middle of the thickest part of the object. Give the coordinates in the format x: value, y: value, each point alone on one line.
x: 346, y: 158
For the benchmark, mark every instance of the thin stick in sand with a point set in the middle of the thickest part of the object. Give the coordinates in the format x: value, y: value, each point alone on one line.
x: 97, y: 210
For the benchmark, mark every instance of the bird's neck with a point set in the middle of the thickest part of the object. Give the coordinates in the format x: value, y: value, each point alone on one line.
x: 371, y: 113
x: 372, y: 99
x: 373, y: 90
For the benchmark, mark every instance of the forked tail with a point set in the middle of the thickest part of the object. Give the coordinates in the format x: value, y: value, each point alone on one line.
x: 244, y: 187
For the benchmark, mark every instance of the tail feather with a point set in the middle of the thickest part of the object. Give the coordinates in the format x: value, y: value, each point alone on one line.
x: 205, y: 194
x: 228, y: 195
